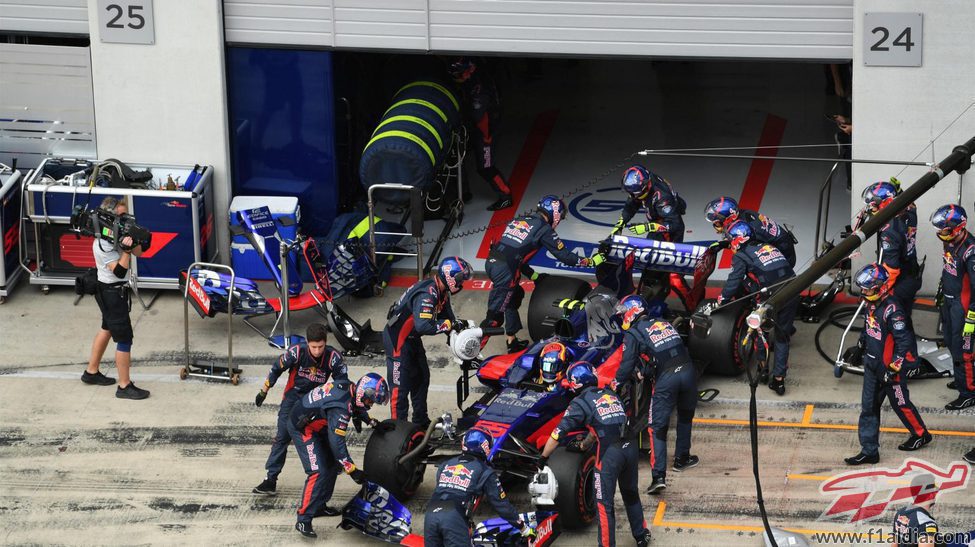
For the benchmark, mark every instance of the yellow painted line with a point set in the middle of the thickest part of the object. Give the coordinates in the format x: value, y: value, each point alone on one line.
x: 844, y: 427
x: 801, y: 477
x: 658, y: 520
x: 807, y: 415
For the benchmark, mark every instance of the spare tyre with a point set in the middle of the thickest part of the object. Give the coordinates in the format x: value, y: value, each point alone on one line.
x: 548, y: 289
x: 388, y: 442
x: 720, y: 349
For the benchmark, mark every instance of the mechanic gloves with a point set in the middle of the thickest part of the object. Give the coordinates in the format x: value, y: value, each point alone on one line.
x: 259, y: 399
x: 649, y: 227
x: 969, y: 327
x: 595, y: 260
x: 618, y: 227
x: 358, y: 475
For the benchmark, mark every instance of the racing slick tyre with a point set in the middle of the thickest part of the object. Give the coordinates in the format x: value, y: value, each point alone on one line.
x: 549, y: 289
x: 390, y: 440
x: 720, y: 349
x: 576, y: 476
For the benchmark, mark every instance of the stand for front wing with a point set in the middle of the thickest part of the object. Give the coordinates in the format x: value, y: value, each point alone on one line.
x: 211, y: 370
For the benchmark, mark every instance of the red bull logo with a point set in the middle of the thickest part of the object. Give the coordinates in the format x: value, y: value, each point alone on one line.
x: 458, y: 476
x: 517, y: 230
x: 660, y: 331
x: 767, y: 253
x: 872, y: 326
x: 608, y: 404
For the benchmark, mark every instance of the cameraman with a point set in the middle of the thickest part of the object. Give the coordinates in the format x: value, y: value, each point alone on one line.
x: 112, y: 263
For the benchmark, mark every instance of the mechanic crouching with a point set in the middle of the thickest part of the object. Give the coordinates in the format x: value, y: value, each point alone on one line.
x: 601, y: 412
x: 509, y: 257
x: 424, y: 309
x: 722, y: 212
x: 675, y: 383
x: 958, y: 310
x: 757, y: 266
x: 885, y: 328
x: 461, y: 482
x: 309, y: 365
x: 323, y: 454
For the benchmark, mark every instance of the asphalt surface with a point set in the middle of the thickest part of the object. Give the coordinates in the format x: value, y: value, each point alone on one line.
x: 78, y: 466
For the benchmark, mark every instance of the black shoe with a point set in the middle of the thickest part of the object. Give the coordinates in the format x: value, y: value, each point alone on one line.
x: 960, y: 403
x: 763, y: 375
x: 327, y: 511
x: 657, y: 486
x: 915, y: 442
x: 503, y: 203
x: 97, y: 379
x: 517, y: 345
x: 685, y: 462
x: 269, y: 487
x: 643, y: 540
x: 970, y: 456
x: 952, y: 385
x: 861, y: 459
x: 131, y: 392
x: 305, y: 529
x: 777, y: 385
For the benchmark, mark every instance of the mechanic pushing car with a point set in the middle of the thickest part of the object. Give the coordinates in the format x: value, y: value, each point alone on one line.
x: 509, y: 257
x: 424, y: 309
x: 461, y: 481
x: 884, y: 372
x: 957, y: 287
x: 330, y: 407
x: 722, y: 212
x: 309, y: 364
x: 757, y: 266
x: 601, y: 412
x: 898, y: 243
x: 675, y: 383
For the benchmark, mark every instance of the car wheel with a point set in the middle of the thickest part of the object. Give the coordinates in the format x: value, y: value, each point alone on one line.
x: 548, y: 289
x: 386, y: 444
x: 720, y: 349
x: 576, y: 476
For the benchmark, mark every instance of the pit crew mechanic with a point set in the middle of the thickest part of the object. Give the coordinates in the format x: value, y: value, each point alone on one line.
x: 664, y: 207
x: 330, y: 407
x: 309, y: 365
x: 885, y: 323
x: 757, y: 266
x: 723, y: 211
x: 461, y: 482
x: 509, y: 257
x: 601, y: 412
x: 957, y: 287
x: 675, y: 383
x: 113, y: 301
x: 898, y: 245
x: 423, y: 310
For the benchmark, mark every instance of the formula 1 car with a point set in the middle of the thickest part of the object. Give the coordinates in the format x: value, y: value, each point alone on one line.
x: 520, y: 411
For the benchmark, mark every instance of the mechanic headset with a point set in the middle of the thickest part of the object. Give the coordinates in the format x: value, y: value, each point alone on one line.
x: 371, y: 389
x: 581, y: 376
x: 477, y: 442
x: 554, y: 209
x: 878, y: 195
x: 721, y: 212
x: 872, y: 280
x: 739, y: 233
x: 631, y: 308
x: 950, y: 220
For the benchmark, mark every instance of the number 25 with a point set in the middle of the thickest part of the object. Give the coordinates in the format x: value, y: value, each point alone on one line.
x: 133, y: 16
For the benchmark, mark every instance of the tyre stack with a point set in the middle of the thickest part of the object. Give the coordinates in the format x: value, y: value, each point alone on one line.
x: 412, y: 139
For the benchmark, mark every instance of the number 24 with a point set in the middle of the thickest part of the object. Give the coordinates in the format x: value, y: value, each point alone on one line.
x: 132, y: 15
x: 903, y: 39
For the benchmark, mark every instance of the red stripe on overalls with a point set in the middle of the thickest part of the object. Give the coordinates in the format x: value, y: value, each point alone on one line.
x: 306, y: 496
x: 968, y: 363
x: 404, y: 333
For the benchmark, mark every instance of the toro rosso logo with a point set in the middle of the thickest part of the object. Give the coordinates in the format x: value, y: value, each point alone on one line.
x: 862, y: 496
x: 607, y: 405
x: 456, y: 476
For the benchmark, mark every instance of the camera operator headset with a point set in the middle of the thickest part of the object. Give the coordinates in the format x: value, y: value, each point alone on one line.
x: 112, y: 262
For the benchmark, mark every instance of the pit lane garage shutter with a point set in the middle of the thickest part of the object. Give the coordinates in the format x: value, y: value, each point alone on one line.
x: 47, y: 16
x: 47, y: 107
x: 746, y: 29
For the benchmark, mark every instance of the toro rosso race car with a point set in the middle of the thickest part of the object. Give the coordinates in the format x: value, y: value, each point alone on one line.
x: 520, y: 410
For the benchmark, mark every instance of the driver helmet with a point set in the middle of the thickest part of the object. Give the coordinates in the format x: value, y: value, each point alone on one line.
x: 554, y: 357
x: 631, y: 308
x: 477, y: 442
x: 872, y: 280
x: 878, y: 195
x: 739, y: 233
x: 581, y: 376
x: 371, y: 389
x: 554, y: 209
x: 453, y: 271
x: 721, y: 212
x: 950, y: 220
x: 637, y: 181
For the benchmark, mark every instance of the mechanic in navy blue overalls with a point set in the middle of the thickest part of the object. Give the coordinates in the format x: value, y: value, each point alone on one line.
x: 600, y: 411
x: 461, y: 482
x: 664, y: 210
x: 309, y: 365
x: 722, y: 212
x: 509, y: 257
x: 674, y: 385
x: 423, y: 310
x: 756, y: 266
x: 914, y: 526
x: 318, y: 425
x: 957, y: 288
x: 898, y: 243
x: 482, y: 113
x: 889, y: 351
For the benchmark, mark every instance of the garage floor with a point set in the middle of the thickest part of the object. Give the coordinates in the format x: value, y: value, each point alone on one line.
x: 571, y: 127
x: 81, y: 467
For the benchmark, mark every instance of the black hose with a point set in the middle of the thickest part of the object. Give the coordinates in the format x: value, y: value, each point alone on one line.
x: 753, y: 428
